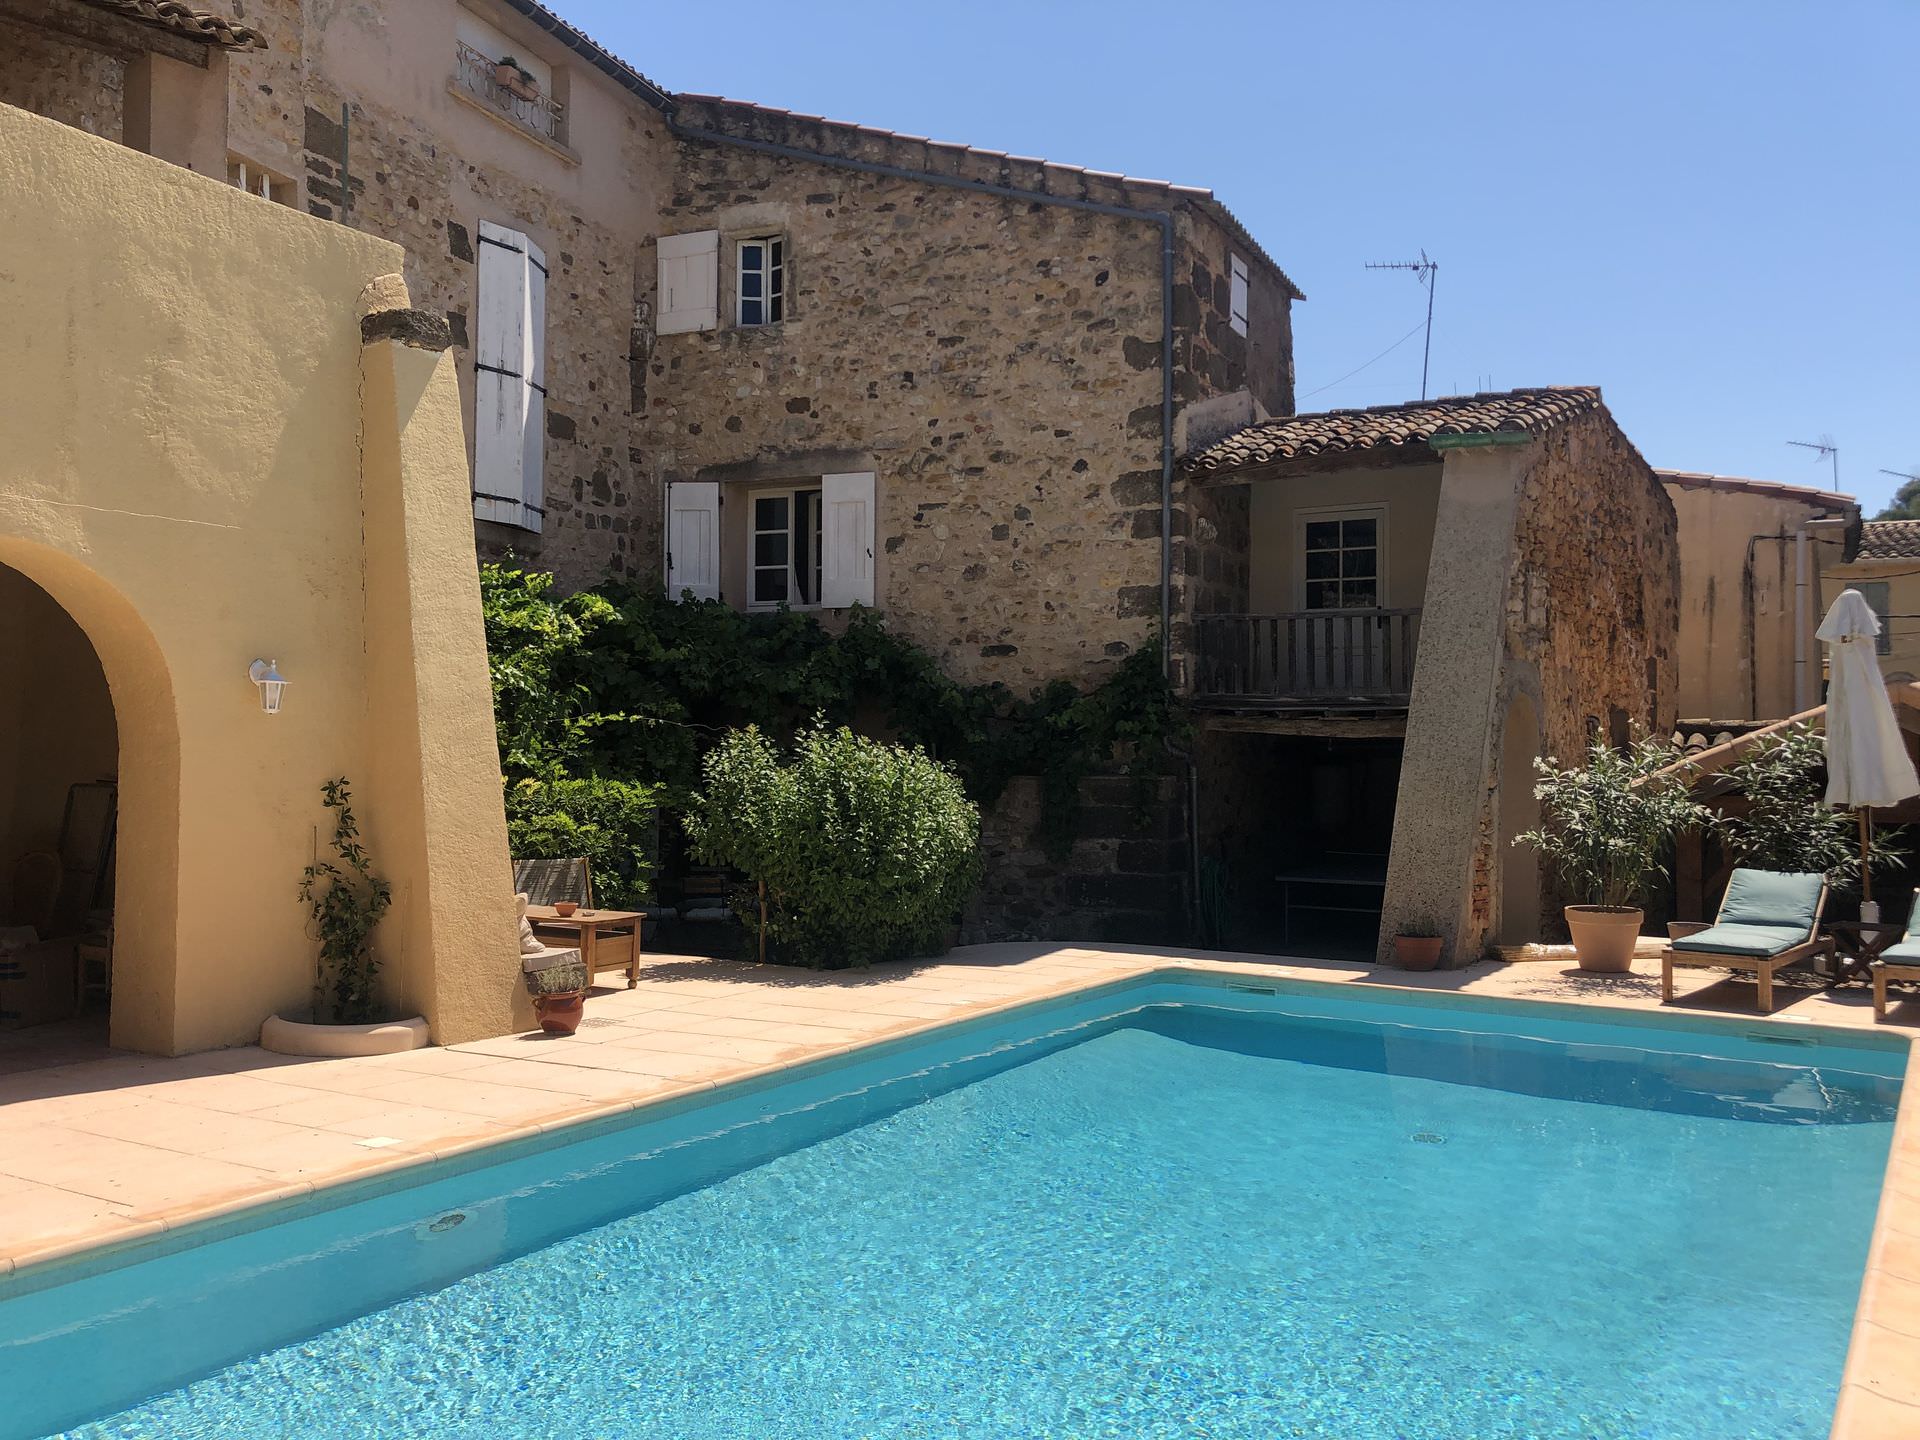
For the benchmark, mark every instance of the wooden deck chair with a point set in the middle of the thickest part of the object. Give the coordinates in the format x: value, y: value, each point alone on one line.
x: 1768, y: 922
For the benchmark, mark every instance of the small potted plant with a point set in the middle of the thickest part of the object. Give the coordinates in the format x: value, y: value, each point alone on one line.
x: 1417, y: 945
x: 559, y: 993
x: 1605, y: 830
x: 514, y: 78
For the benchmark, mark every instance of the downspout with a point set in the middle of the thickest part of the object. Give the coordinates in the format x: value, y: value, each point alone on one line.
x: 1162, y: 218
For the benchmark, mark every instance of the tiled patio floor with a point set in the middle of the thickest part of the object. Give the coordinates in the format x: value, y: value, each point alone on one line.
x: 98, y: 1148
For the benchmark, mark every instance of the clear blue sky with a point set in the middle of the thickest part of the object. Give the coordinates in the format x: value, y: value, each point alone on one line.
x: 1710, y: 209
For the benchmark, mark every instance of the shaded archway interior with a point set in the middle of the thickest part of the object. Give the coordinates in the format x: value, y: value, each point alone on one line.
x: 59, y: 764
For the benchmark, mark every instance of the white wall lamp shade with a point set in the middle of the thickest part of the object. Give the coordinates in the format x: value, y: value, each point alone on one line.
x: 266, y: 674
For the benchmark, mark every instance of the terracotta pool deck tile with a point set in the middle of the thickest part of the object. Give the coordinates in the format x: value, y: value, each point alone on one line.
x: 1880, y: 1361
x: 119, y: 1171
x: 1894, y: 1303
x: 493, y: 1102
x: 313, y: 1155
x: 417, y: 1126
x: 182, y: 1128
x: 568, y: 1080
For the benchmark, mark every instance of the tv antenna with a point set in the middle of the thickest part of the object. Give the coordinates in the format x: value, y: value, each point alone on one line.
x: 1903, y: 474
x: 1827, y: 450
x: 1426, y: 272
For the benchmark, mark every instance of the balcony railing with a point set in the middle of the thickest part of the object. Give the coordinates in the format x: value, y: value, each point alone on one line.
x: 542, y: 114
x: 1319, y: 658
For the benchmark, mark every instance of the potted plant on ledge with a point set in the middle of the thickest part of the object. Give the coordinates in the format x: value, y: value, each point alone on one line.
x: 345, y: 900
x: 1417, y: 945
x: 514, y: 78
x: 1605, y: 831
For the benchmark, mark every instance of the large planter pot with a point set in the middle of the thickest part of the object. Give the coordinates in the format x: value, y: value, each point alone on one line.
x: 560, y: 1014
x: 1603, y: 936
x: 1416, y: 952
x: 299, y: 1037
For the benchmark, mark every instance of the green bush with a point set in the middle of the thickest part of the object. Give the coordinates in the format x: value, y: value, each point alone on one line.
x: 1607, y: 827
x: 1784, y: 823
x: 610, y: 822
x: 867, y: 850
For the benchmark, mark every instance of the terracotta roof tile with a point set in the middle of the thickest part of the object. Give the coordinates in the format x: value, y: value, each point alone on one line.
x: 187, y: 21
x: 1407, y: 425
x: 1779, y: 489
x: 1889, y: 540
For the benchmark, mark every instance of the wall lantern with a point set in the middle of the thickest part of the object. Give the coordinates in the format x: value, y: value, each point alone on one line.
x: 266, y: 674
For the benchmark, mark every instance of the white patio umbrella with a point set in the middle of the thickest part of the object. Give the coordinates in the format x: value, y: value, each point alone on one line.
x: 1867, y: 762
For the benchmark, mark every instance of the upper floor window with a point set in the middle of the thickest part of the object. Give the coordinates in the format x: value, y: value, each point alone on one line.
x: 256, y: 179
x: 1237, y: 299
x: 762, y: 287
x: 506, y: 78
x: 1340, y: 560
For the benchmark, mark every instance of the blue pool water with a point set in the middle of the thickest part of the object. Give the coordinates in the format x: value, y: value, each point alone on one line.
x: 1204, y: 1217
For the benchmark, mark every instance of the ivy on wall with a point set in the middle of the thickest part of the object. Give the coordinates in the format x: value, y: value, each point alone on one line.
x: 622, y: 683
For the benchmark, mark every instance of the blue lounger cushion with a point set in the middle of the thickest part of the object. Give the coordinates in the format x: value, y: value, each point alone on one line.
x: 1740, y: 939
x: 1907, y: 952
x: 1771, y: 898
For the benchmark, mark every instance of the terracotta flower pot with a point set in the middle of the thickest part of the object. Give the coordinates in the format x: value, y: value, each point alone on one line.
x: 1416, y: 952
x: 565, y: 907
x: 560, y: 1014
x: 1603, y: 936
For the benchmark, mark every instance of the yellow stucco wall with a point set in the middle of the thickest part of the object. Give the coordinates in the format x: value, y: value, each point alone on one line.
x: 183, y: 473
x: 1410, y: 497
x: 1901, y: 617
x: 1737, y: 608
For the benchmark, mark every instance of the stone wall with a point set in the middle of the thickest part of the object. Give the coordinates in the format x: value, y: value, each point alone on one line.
x: 1592, y: 613
x: 1124, y: 881
x: 54, y: 76
x: 1593, y: 598
x: 425, y: 176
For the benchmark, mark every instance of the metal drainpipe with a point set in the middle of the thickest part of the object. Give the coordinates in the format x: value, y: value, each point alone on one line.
x: 1162, y: 218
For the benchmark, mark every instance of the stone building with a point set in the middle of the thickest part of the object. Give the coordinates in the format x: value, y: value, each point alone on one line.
x: 1884, y: 566
x: 1439, y: 593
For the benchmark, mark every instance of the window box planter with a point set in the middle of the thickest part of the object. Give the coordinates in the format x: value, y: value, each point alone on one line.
x: 300, y: 1037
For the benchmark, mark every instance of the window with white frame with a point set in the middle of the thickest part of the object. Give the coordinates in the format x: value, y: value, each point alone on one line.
x: 761, y: 285
x: 1237, y: 298
x: 785, y: 558
x: 256, y: 179
x: 1340, y: 560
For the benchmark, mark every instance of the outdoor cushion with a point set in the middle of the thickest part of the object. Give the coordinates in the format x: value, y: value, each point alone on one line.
x: 1726, y: 939
x: 1907, y: 952
x: 1766, y: 897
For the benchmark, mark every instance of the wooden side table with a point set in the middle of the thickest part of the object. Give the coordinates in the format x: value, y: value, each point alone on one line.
x: 1857, y: 947
x: 608, y: 939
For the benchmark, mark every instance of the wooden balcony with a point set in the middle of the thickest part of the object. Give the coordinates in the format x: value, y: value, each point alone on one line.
x: 1307, y: 660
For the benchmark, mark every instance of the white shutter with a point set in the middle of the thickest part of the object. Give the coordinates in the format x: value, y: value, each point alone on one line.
x: 1237, y: 295
x: 693, y: 539
x: 509, y: 358
x: 533, y: 473
x: 846, y: 540
x: 689, y: 282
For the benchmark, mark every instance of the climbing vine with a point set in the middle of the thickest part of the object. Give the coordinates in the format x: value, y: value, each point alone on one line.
x: 621, y: 683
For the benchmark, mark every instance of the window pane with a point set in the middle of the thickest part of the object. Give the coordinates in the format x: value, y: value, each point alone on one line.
x: 1323, y: 534
x: 752, y: 312
x: 750, y: 257
x: 1323, y: 564
x: 770, y: 512
x: 770, y: 548
x: 1357, y: 563
x: 779, y: 253
x: 1323, y: 595
x: 750, y: 282
x: 1358, y: 532
x: 776, y: 309
x: 1359, y: 595
x: 770, y: 586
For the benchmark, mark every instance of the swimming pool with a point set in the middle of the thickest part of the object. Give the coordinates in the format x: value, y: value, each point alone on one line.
x: 1168, y: 1208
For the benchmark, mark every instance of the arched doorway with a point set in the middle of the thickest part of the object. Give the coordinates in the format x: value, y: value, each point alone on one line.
x: 1519, y: 812
x: 59, y: 764
x: 89, y: 805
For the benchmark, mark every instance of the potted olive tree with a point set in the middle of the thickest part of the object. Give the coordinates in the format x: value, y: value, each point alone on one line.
x: 1605, y: 829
